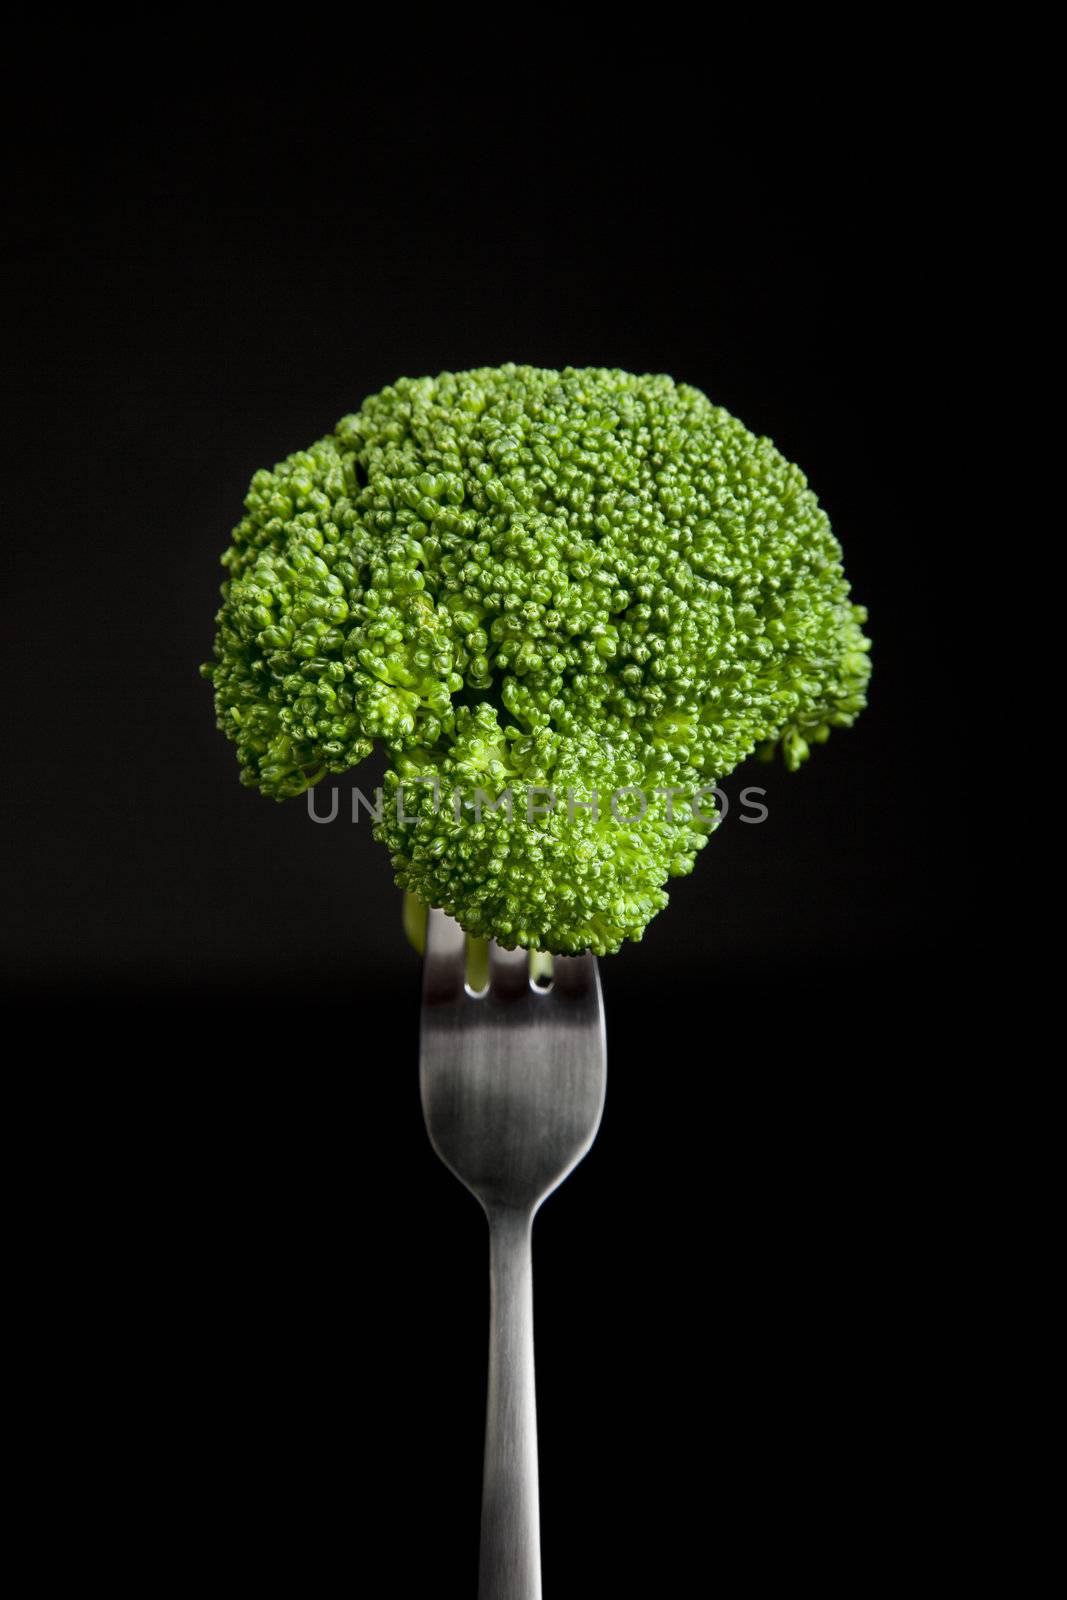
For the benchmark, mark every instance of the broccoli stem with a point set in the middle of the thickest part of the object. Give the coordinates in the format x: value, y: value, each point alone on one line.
x: 415, y: 914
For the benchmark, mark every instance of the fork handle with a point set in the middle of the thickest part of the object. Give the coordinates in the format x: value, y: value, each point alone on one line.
x: 510, y: 1565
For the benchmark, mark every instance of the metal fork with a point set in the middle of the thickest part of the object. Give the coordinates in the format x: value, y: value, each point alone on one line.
x: 512, y: 1091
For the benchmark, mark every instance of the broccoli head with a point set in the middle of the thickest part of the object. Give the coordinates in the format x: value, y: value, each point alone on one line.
x: 567, y: 604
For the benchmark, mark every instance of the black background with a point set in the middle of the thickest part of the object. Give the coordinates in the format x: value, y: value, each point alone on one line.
x: 281, y: 1294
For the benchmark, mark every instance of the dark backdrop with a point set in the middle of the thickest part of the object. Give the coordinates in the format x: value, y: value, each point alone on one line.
x: 286, y: 1289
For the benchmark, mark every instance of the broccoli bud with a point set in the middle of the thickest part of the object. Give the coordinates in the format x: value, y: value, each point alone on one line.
x: 563, y: 602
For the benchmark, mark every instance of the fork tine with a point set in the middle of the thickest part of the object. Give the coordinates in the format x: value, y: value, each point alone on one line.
x: 575, y: 976
x: 509, y: 971
x: 444, y: 966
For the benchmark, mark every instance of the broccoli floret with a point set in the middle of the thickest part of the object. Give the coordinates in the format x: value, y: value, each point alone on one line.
x: 566, y: 603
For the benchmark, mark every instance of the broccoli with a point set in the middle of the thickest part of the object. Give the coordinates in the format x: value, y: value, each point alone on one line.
x: 567, y: 604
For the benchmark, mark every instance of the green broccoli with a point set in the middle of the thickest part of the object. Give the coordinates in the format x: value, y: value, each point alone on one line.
x: 567, y: 604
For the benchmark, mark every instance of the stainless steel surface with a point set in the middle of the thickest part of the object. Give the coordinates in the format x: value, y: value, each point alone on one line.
x: 512, y: 1091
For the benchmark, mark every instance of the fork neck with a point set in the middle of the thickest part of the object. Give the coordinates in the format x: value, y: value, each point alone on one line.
x: 509, y: 1222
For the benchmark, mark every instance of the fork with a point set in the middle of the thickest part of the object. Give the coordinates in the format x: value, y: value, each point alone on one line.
x: 513, y: 1085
